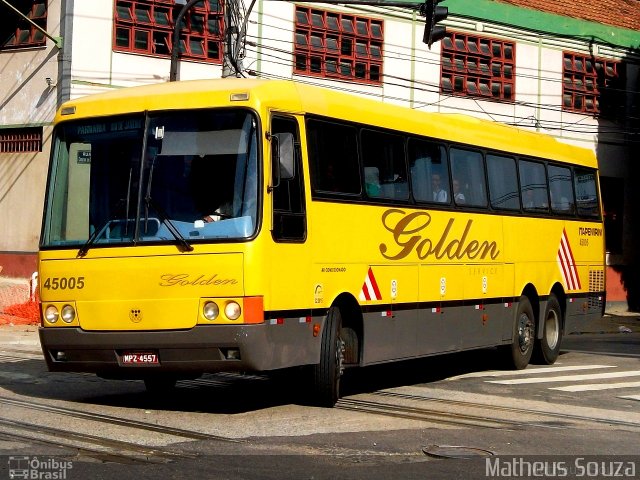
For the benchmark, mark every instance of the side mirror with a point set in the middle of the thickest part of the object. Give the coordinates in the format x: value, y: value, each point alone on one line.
x: 282, y: 157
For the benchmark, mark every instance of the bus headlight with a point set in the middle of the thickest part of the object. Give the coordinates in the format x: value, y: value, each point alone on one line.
x: 68, y: 314
x: 210, y: 310
x: 232, y: 310
x: 51, y: 314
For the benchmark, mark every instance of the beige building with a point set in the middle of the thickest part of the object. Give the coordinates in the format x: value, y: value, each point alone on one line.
x: 29, y: 71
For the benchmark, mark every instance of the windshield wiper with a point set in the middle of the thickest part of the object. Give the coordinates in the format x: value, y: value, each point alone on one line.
x: 91, y: 240
x: 186, y: 246
x: 96, y: 233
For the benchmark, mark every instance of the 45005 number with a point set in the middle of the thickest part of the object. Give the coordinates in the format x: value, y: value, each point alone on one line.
x: 63, y: 283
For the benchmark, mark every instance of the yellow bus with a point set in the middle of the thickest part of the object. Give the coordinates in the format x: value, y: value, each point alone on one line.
x: 257, y: 225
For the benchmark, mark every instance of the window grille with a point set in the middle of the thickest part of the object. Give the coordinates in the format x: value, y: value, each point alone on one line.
x: 584, y: 80
x: 478, y: 67
x: 146, y: 27
x: 21, y: 140
x: 16, y: 32
x: 338, y: 45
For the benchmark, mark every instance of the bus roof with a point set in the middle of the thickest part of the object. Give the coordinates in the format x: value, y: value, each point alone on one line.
x: 291, y: 96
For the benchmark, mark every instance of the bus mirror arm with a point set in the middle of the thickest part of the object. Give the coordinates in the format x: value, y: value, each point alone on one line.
x: 282, y: 158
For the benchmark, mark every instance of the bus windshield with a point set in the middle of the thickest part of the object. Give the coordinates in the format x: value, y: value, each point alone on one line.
x: 170, y: 177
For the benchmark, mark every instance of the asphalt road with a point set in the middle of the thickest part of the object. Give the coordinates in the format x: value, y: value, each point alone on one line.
x: 407, y: 420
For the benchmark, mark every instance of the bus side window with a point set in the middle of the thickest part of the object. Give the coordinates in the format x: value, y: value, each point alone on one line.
x: 467, y: 168
x: 333, y: 157
x: 289, y: 216
x: 503, y: 182
x: 533, y: 186
x: 586, y: 193
x: 384, y: 153
x: 561, y: 190
x: 429, y: 171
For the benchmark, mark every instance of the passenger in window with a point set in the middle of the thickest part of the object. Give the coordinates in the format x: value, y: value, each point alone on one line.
x: 527, y: 199
x: 458, y: 196
x: 558, y: 201
x: 533, y: 200
x: 439, y: 194
x: 372, y: 181
x: 222, y: 212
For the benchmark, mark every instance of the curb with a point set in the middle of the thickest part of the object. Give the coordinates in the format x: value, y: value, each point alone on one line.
x: 12, y: 320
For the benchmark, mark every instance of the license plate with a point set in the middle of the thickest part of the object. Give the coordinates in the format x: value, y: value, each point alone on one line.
x: 148, y: 358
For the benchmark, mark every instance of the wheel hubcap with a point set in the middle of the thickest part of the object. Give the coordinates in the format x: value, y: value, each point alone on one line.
x: 552, y: 330
x: 340, y: 349
x: 525, y: 332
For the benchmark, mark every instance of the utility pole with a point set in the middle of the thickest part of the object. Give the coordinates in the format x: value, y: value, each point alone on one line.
x: 230, y: 63
x: 175, y: 42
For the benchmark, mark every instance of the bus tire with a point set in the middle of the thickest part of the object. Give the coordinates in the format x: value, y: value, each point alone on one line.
x: 518, y: 354
x: 326, y: 379
x: 547, y: 348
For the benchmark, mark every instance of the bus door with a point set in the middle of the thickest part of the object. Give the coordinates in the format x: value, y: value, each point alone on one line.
x: 289, y: 255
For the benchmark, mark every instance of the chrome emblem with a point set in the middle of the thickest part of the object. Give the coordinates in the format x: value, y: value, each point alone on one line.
x: 135, y: 315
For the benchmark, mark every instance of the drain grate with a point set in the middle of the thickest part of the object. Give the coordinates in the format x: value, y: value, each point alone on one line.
x: 455, y: 451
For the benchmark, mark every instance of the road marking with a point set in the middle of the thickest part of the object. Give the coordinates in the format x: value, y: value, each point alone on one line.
x: 529, y: 371
x: 596, y: 386
x: 598, y: 352
x: 631, y: 397
x: 567, y: 378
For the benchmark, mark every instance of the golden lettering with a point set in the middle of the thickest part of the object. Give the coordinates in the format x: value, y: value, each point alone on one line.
x: 184, y: 280
x: 409, y: 234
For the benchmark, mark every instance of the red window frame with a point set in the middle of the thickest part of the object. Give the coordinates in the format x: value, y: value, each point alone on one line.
x: 583, y: 80
x: 18, y: 32
x: 21, y: 140
x: 479, y: 67
x: 146, y: 27
x: 338, y: 46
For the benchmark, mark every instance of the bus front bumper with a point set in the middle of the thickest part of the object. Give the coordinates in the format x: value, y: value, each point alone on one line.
x: 204, y: 348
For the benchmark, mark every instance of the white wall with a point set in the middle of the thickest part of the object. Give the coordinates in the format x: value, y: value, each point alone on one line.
x: 96, y: 67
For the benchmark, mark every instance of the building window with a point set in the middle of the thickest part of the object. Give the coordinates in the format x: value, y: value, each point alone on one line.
x: 16, y: 32
x: 21, y: 140
x: 337, y: 45
x: 478, y: 67
x: 585, y: 79
x: 146, y: 26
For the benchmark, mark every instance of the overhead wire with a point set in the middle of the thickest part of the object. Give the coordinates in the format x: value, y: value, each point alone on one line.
x: 435, y: 88
x: 400, y: 55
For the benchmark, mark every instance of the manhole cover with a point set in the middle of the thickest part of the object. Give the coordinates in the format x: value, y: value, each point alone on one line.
x: 455, y: 451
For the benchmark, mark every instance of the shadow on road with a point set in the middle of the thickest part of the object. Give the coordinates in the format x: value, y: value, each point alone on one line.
x: 227, y: 393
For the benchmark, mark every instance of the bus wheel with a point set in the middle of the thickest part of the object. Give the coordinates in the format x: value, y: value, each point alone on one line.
x: 519, y: 352
x: 326, y: 387
x: 547, y: 348
x: 159, y: 384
